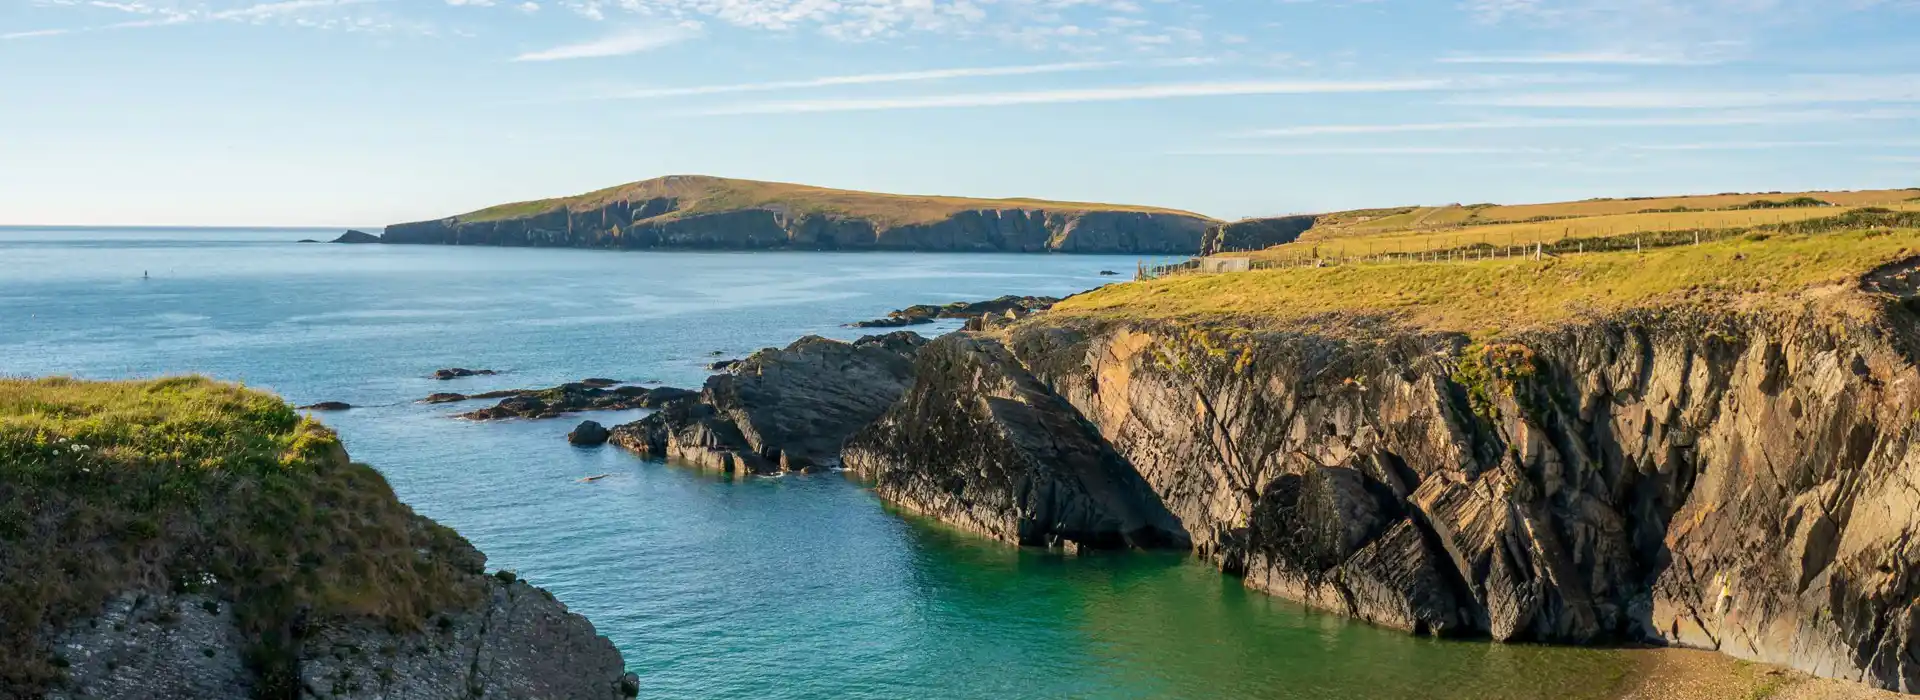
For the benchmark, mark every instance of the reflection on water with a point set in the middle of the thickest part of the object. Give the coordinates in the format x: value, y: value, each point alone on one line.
x: 797, y: 587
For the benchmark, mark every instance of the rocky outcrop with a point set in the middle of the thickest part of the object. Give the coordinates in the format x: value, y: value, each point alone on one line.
x: 654, y: 223
x: 780, y: 409
x: 588, y: 434
x: 979, y: 443
x: 573, y: 397
x: 518, y: 642
x: 1739, y: 481
x: 490, y: 636
x: 357, y: 237
x: 1010, y: 306
x: 1256, y: 234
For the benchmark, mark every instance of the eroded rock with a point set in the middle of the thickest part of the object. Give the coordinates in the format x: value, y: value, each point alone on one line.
x: 786, y: 409
x: 978, y: 442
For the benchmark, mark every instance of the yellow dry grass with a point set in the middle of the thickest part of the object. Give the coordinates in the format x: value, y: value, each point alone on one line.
x: 1491, y: 295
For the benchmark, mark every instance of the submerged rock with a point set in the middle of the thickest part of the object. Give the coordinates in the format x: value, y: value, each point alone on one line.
x: 327, y: 406
x: 1010, y: 305
x: 588, y: 434
x: 780, y: 409
x: 978, y: 442
x: 458, y: 372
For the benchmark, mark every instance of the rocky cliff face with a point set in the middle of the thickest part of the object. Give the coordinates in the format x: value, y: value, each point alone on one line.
x: 1739, y: 480
x: 978, y: 442
x: 780, y: 409
x: 1256, y: 234
x: 489, y: 636
x: 636, y: 225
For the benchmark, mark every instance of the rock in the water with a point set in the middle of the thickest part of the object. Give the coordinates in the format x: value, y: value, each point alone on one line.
x: 588, y: 434
x: 1108, y: 273
x: 306, y: 240
x: 979, y: 443
x: 573, y: 397
x: 600, y: 382
x: 327, y: 406
x: 1014, y: 306
x: 357, y: 237
x: 458, y: 372
x: 722, y: 365
x: 780, y: 409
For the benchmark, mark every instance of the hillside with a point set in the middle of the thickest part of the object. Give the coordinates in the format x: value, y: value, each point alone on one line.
x: 696, y: 211
x: 187, y: 538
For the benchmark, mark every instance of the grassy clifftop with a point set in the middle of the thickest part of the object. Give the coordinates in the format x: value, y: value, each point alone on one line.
x: 189, y: 485
x: 1490, y: 295
x: 701, y: 194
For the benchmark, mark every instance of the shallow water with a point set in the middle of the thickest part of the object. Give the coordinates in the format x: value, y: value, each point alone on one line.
x: 794, y: 587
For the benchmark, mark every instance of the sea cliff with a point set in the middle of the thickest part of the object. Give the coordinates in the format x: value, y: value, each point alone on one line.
x: 1718, y: 450
x: 695, y: 212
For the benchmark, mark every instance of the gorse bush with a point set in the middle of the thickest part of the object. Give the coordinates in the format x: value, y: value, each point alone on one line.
x: 188, y: 485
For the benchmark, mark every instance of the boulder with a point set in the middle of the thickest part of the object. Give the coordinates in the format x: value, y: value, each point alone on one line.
x: 978, y: 442
x: 444, y: 398
x: 327, y: 406
x: 588, y: 434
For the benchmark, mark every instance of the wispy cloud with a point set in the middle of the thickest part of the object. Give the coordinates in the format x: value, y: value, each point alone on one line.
x: 1695, y: 120
x: 36, y: 33
x: 1364, y: 151
x: 1800, y: 90
x: 1113, y: 94
x: 865, y: 79
x: 296, y: 12
x: 618, y: 44
x: 1603, y: 58
x: 1765, y: 145
x: 1161, y: 91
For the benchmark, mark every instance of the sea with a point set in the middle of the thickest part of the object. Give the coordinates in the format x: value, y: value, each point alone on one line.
x: 776, y: 587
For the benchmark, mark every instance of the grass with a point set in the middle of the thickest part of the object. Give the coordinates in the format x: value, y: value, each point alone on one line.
x: 1488, y: 296
x: 191, y: 485
x: 1371, y: 222
x: 700, y: 194
x: 1546, y: 232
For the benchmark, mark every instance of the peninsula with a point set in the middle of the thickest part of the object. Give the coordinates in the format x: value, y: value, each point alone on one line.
x: 713, y: 213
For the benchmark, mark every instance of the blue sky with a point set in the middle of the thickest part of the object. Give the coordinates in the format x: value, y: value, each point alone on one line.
x: 366, y: 112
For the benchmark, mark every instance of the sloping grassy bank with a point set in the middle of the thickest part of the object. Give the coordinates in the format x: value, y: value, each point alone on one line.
x: 191, y: 485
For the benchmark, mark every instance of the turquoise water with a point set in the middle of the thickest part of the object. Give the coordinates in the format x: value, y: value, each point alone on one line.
x: 794, y: 587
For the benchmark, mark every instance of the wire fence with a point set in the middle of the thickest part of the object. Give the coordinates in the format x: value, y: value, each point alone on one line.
x: 1343, y: 253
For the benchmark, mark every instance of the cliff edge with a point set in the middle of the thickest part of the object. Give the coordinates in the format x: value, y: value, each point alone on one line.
x: 186, y: 538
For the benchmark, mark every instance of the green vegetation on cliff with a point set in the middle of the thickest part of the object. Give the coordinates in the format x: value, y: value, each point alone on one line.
x: 1501, y: 293
x: 702, y: 194
x: 188, y: 485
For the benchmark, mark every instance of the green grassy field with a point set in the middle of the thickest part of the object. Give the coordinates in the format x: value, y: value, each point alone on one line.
x: 700, y: 194
x: 1487, y: 296
x: 1372, y: 222
x: 190, y: 485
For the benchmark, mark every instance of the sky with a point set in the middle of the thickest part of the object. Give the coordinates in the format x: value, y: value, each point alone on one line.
x: 369, y: 112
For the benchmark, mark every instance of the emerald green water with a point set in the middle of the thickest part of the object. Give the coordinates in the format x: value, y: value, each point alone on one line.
x: 796, y: 587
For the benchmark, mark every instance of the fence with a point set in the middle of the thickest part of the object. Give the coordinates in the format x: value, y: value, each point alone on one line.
x: 1538, y: 249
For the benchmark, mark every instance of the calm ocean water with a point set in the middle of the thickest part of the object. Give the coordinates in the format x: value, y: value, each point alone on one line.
x: 794, y: 587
